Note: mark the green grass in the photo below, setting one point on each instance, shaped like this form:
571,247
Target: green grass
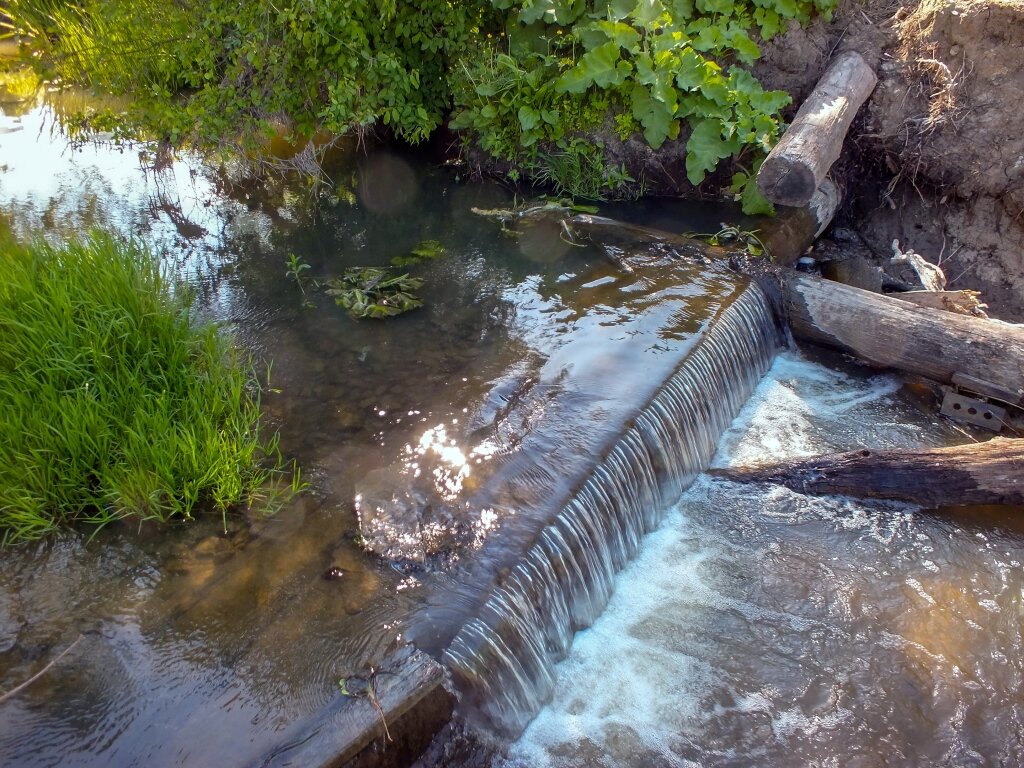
113,404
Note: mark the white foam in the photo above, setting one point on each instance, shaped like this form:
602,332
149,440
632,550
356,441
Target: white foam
746,630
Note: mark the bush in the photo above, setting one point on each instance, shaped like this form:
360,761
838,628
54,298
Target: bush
221,71
115,405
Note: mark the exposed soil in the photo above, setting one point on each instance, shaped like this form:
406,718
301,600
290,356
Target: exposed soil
943,126
935,160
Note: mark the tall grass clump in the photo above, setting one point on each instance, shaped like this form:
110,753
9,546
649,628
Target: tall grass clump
114,404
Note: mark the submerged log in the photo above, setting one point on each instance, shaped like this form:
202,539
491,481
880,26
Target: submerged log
797,165
966,475
786,237
942,346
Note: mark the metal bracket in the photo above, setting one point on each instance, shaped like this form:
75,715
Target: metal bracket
988,389
967,410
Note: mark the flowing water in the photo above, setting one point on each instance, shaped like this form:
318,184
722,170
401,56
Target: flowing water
507,447
200,646
762,627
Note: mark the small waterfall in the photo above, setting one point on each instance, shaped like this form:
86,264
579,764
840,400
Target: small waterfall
502,660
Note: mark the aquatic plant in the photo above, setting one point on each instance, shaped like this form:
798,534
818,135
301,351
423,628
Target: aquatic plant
296,266
426,250
730,235
115,404
375,292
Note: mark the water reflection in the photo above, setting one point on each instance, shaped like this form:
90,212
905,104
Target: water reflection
203,644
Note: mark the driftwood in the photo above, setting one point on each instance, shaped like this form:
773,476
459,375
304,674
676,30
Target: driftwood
786,237
961,302
984,356
966,475
797,165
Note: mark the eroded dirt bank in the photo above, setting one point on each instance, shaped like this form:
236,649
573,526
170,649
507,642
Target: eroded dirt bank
935,160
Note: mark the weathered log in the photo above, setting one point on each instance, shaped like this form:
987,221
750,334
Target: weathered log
961,302
930,343
786,237
966,475
797,165
793,230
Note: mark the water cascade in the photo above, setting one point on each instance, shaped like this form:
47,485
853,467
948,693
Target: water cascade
502,659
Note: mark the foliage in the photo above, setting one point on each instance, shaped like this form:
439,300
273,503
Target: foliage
427,250
115,405
18,84
533,82
665,64
729,235
375,292
296,266
217,70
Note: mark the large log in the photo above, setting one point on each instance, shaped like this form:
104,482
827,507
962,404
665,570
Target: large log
797,165
966,475
786,237
981,355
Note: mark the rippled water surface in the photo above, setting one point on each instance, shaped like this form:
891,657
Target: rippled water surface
201,647
762,627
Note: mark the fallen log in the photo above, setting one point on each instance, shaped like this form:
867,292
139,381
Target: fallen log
797,165
966,475
942,346
963,302
786,237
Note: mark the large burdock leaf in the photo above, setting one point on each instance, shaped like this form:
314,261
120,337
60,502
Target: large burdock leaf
603,67
705,148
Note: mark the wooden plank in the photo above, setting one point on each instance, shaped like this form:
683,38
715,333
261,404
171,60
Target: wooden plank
895,334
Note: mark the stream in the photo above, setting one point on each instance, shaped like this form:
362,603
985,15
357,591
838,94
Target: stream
753,627
763,627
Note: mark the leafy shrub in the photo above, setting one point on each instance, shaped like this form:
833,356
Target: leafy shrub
664,63
219,70
528,79
115,405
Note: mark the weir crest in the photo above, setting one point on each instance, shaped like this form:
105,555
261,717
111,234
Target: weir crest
502,659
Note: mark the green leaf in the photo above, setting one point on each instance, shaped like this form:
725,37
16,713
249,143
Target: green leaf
753,202
716,88
692,70
710,38
550,116
655,116
715,6
746,49
620,9
786,8
682,10
621,34
529,118
602,67
769,22
705,148
647,12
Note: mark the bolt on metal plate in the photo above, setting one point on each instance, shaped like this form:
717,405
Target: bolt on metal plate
967,410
